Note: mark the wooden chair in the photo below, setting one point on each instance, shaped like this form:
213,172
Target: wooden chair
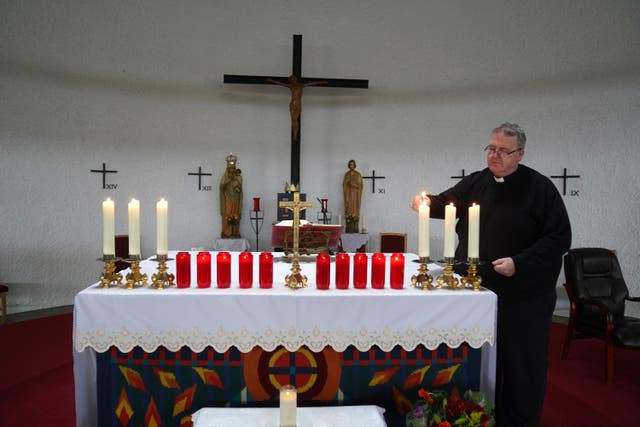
597,293
393,242
4,290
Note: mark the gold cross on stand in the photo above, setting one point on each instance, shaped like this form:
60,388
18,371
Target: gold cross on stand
295,280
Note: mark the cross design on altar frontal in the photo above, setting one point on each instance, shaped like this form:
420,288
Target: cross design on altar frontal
296,206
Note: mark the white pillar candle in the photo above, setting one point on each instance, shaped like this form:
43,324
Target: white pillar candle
162,227
474,231
363,227
449,230
339,219
423,229
108,228
134,227
288,398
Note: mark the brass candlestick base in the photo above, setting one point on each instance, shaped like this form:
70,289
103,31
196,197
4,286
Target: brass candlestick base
109,275
472,279
134,278
422,280
162,278
295,280
447,278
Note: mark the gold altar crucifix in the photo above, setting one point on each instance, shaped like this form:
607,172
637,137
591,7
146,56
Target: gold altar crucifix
295,280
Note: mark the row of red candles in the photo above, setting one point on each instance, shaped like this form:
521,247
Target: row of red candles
265,276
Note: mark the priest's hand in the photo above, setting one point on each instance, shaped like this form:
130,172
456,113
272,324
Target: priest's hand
504,266
415,203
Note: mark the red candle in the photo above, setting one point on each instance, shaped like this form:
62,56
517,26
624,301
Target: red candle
396,278
266,270
256,204
223,267
360,270
203,261
183,269
378,261
323,266
342,270
245,269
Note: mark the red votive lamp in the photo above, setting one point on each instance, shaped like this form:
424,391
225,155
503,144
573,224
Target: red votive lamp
378,261
396,278
203,263
360,270
223,269
323,267
256,204
245,269
342,270
266,270
183,269
323,203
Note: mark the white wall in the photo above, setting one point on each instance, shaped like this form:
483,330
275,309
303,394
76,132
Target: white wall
138,85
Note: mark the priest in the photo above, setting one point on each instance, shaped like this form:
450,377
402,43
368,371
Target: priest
524,232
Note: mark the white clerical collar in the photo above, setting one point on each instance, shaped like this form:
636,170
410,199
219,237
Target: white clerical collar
501,179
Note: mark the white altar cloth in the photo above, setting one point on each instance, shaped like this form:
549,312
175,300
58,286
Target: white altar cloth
244,318
321,416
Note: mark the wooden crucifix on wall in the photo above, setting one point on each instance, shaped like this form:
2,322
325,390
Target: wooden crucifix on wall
296,83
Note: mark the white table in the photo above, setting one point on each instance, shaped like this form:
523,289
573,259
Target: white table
269,318
322,416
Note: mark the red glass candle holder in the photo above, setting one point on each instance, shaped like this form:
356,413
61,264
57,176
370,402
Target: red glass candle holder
396,277
378,261
323,267
223,269
266,270
342,270
360,270
245,269
323,205
256,204
183,269
203,262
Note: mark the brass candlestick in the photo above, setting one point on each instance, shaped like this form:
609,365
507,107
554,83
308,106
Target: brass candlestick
472,279
447,277
134,278
109,274
422,280
295,280
162,278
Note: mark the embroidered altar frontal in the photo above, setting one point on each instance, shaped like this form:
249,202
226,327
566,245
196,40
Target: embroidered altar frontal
164,387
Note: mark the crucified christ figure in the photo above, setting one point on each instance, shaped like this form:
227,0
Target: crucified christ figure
295,106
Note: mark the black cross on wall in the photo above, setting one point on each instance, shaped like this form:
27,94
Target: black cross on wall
564,178
200,174
296,83
459,177
104,173
373,178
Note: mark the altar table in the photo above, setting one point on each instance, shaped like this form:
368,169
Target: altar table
211,328
323,416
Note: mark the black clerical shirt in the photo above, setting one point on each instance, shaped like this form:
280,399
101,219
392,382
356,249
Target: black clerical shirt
522,217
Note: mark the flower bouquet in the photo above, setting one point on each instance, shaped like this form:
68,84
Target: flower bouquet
436,409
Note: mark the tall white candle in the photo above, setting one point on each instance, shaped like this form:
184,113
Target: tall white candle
162,227
474,231
449,230
134,227
288,398
108,228
363,227
423,229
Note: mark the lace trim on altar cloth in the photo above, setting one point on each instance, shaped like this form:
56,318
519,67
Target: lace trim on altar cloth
292,339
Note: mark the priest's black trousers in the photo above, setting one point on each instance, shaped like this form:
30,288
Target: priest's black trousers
523,343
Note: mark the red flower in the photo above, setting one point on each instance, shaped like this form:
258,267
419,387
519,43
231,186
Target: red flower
426,396
444,424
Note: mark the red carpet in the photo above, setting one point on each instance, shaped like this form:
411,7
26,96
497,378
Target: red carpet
36,379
